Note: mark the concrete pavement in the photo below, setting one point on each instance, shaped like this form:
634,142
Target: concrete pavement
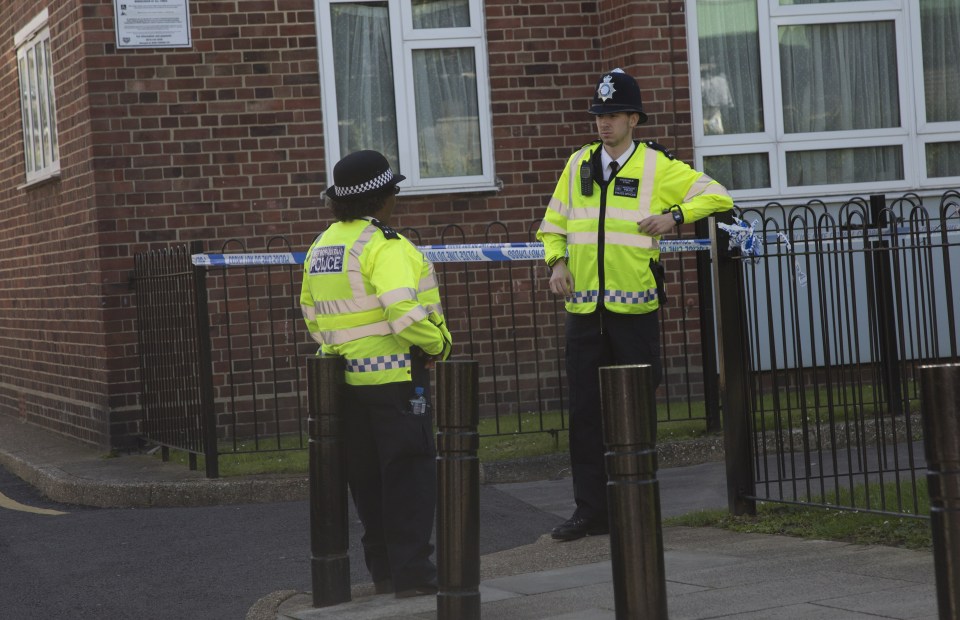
710,573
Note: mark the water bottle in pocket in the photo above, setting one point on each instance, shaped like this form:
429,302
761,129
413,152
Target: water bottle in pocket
418,404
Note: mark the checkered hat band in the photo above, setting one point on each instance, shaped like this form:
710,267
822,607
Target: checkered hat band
367,186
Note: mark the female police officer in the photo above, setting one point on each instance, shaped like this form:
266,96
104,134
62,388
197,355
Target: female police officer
370,296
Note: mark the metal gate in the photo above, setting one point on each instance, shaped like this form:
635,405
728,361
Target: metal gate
176,395
824,333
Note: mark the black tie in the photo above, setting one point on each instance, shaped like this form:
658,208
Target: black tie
613,168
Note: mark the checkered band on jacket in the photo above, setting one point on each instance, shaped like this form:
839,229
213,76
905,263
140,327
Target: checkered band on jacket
630,297
622,297
381,362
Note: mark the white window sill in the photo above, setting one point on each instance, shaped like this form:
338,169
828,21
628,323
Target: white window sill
43,179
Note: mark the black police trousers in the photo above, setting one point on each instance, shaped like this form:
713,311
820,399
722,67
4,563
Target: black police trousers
391,471
602,338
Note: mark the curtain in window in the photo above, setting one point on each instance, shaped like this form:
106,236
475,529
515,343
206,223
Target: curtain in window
445,89
840,77
730,86
441,13
448,122
363,68
791,2
940,41
730,66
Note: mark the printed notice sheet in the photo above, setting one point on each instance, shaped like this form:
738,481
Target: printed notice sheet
152,23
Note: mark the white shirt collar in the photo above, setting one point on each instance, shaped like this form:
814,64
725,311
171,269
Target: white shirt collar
605,158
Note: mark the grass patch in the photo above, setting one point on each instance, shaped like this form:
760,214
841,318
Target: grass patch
515,437
520,436
852,526
287,457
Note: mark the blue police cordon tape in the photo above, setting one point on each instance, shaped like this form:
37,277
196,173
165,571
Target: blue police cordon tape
462,253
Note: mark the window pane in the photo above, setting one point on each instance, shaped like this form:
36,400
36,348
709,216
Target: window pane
943,159
791,2
940,40
51,102
854,165
448,121
747,171
363,68
25,112
441,13
43,126
838,77
729,66
36,151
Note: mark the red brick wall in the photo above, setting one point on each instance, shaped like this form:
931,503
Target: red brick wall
225,141
52,338
217,142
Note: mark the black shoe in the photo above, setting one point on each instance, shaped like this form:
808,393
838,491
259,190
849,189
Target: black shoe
425,589
577,527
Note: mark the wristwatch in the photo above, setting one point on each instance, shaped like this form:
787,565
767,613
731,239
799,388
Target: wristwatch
677,214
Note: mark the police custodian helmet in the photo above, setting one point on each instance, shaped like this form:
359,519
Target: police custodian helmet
617,92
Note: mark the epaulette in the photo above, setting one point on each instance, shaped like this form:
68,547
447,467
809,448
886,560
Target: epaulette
388,232
659,147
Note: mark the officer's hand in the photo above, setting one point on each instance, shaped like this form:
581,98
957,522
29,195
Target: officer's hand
657,225
430,361
561,280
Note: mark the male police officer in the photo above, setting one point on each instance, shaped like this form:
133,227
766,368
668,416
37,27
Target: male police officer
614,199
370,296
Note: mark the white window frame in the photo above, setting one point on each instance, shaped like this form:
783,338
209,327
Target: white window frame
404,40
928,132
34,37
912,135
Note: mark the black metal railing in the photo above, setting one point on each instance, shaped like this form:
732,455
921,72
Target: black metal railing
176,396
840,311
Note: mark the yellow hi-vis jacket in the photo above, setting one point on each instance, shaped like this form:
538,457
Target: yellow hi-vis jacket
606,251
369,295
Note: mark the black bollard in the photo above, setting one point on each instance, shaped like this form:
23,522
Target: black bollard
633,493
458,491
940,405
329,533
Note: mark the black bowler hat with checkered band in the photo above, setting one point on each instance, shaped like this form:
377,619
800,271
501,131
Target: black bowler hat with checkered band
616,91
361,174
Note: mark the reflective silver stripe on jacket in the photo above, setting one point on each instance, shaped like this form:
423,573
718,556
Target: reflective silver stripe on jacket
428,281
397,295
702,187
346,306
416,314
626,239
645,193
341,336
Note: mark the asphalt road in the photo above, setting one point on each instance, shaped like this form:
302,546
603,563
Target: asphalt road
211,562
